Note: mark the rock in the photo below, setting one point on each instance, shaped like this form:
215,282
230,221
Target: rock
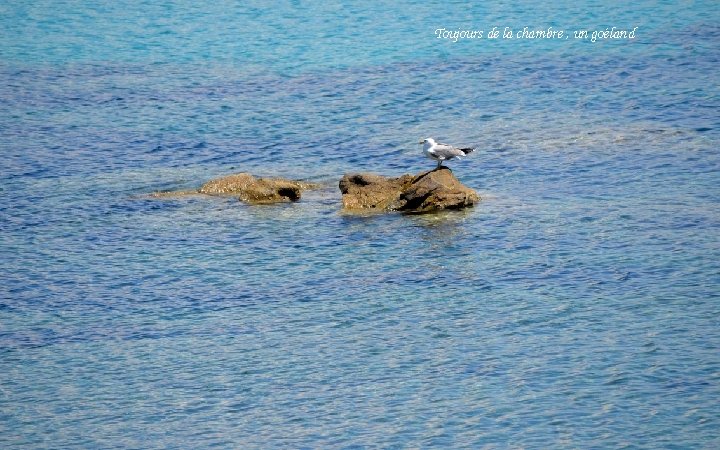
368,191
434,190
256,190
170,194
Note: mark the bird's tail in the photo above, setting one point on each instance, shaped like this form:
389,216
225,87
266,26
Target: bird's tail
467,150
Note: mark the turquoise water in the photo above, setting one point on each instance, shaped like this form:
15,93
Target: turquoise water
577,306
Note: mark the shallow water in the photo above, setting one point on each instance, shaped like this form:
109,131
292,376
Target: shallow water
576,306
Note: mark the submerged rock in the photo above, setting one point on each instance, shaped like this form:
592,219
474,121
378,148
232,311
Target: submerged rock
171,194
434,190
255,190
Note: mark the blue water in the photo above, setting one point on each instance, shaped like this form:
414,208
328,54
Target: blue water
577,306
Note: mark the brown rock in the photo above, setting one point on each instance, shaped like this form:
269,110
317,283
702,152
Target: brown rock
375,192
434,190
256,190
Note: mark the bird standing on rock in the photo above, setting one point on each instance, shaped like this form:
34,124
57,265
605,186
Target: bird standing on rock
442,152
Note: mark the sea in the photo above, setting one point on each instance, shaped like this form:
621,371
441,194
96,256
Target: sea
577,305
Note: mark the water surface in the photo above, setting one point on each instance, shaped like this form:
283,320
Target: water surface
575,307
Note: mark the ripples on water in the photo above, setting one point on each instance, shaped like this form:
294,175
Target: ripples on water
576,306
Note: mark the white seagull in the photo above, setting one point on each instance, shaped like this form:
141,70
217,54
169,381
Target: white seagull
442,152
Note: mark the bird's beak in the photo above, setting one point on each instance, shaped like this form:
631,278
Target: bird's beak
420,141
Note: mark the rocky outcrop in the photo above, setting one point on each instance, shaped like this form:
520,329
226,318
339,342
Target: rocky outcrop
434,190
251,189
373,192
247,188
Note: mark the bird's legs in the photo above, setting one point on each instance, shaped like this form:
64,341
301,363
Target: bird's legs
439,164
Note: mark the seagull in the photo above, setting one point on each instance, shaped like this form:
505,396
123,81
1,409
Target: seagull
442,152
